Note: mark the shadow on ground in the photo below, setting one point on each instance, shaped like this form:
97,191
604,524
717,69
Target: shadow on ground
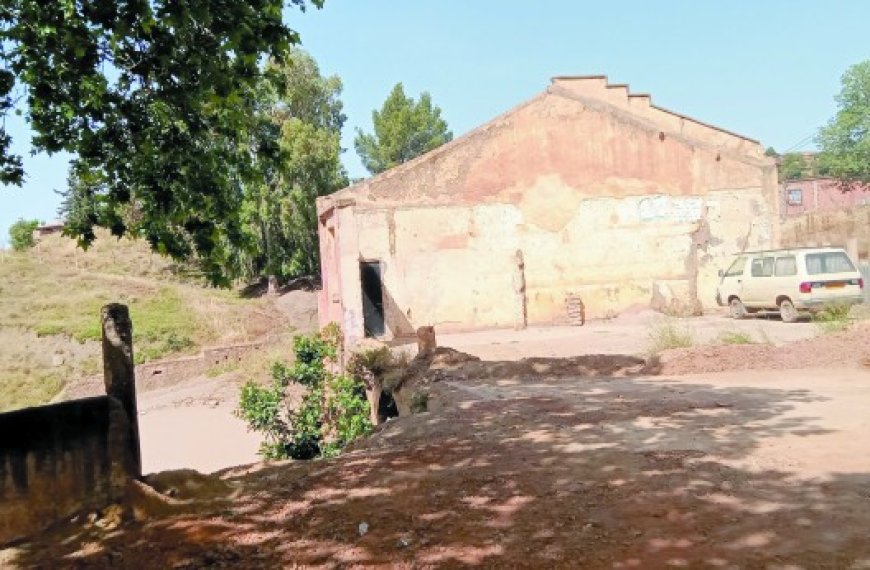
524,470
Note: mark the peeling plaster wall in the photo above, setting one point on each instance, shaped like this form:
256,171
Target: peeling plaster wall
617,205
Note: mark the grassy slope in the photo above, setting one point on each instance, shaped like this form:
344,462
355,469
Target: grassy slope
50,299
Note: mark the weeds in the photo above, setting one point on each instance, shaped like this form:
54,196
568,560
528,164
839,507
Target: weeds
666,335
419,402
736,337
833,318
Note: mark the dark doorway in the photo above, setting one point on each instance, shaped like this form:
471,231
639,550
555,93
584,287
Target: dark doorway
373,298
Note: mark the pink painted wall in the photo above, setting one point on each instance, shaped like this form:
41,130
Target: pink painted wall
820,195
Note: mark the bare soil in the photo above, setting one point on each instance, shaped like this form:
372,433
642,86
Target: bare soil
845,349
539,463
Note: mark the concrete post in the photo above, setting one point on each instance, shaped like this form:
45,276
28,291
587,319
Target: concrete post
519,283
119,371
852,248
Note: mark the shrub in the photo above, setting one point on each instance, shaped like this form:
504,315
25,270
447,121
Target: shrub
21,234
333,412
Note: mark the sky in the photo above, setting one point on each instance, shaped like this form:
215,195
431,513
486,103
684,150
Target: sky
767,70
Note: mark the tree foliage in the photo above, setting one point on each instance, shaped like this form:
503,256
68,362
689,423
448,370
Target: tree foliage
845,140
403,129
21,234
155,99
792,166
298,159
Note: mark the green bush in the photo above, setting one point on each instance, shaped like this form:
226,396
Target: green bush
21,234
333,412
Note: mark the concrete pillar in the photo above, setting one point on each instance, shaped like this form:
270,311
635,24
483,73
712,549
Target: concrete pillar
119,371
852,248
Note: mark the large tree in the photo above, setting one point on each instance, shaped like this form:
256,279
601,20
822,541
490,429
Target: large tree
845,140
299,159
156,101
403,129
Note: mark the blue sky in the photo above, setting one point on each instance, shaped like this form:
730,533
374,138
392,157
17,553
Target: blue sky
768,70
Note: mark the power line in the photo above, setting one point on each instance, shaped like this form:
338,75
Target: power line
801,142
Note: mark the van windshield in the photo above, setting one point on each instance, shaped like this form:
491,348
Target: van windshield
828,262
736,267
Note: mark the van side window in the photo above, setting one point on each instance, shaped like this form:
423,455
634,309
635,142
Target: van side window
829,262
736,267
786,266
762,267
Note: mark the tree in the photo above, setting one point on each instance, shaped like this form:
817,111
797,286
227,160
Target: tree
792,166
155,99
21,234
299,159
845,140
403,129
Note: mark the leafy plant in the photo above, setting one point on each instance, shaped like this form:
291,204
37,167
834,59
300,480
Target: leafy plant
21,234
333,412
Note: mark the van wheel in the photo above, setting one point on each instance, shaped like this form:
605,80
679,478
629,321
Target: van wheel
787,311
736,309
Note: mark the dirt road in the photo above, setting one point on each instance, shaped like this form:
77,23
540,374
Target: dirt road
733,470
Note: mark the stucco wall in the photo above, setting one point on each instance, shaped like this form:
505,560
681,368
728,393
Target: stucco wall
605,195
830,228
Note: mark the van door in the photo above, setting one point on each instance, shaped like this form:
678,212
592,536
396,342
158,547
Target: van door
732,280
758,287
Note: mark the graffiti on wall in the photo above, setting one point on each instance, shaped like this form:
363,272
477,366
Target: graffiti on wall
669,209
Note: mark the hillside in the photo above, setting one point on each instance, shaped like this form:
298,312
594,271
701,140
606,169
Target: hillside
50,299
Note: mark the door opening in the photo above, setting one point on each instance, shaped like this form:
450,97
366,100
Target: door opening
373,298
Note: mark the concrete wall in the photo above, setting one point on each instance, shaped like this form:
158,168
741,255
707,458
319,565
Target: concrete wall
821,195
61,459
606,195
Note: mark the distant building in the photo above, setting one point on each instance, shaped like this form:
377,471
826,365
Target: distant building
54,227
819,195
586,190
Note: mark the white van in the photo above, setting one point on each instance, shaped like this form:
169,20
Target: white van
790,281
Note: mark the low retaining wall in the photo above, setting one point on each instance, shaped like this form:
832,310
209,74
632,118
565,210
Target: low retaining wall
161,373
60,459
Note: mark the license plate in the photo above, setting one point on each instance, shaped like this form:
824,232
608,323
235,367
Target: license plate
839,285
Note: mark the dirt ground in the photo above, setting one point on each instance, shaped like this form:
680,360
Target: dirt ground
533,464
626,334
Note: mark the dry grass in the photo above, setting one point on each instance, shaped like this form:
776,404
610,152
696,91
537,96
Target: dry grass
668,334
736,337
56,291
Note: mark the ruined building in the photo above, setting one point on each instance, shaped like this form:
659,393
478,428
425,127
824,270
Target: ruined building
584,192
